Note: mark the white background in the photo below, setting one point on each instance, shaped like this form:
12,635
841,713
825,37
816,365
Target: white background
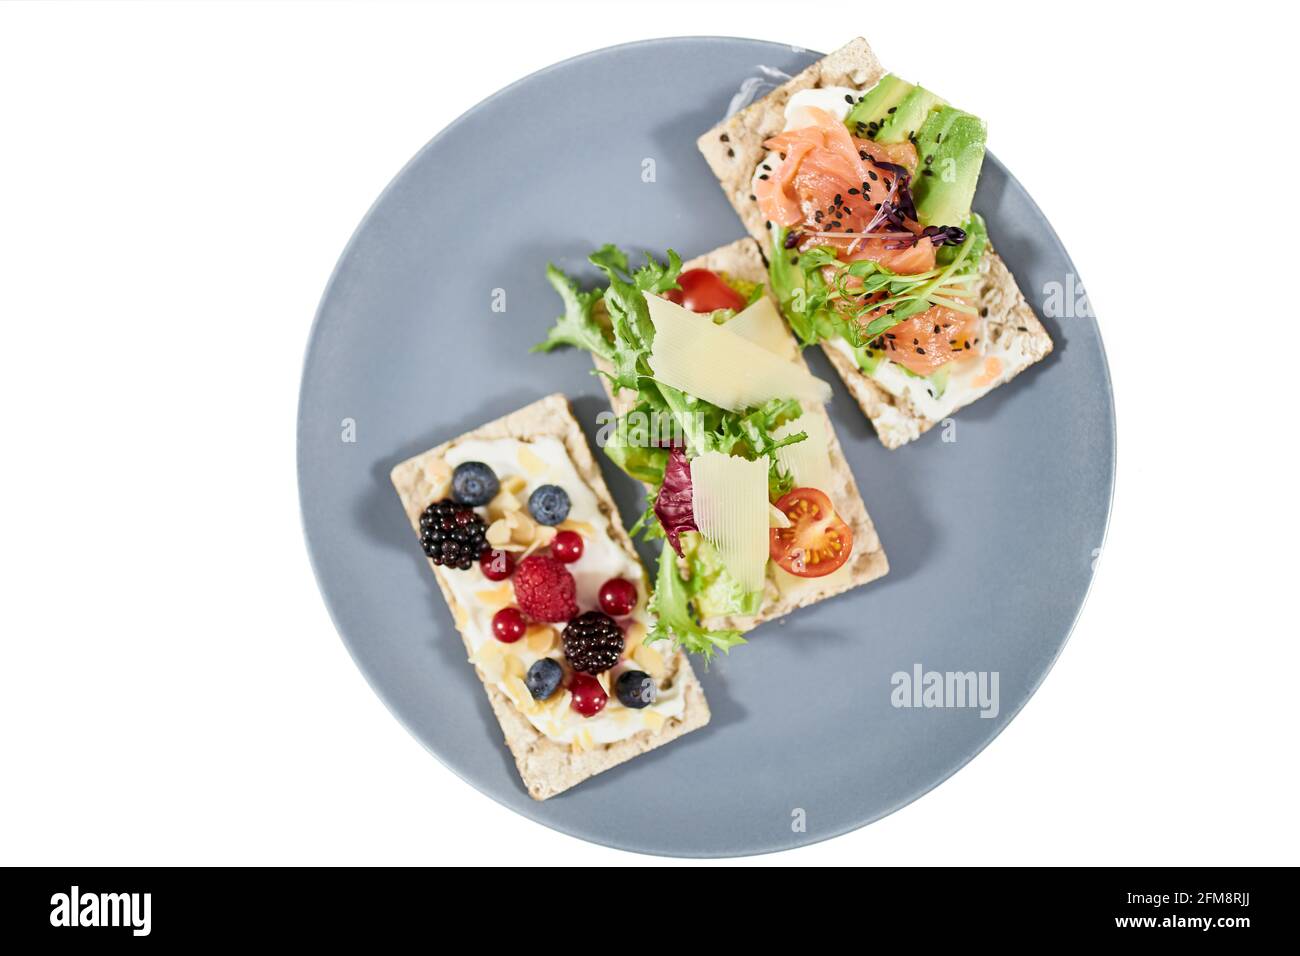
175,185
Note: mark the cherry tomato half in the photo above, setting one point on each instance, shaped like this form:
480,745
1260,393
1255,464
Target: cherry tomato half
817,541
703,291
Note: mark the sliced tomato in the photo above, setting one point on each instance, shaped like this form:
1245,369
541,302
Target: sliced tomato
703,290
817,541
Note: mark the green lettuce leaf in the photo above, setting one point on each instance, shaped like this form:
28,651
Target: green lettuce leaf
674,620
712,587
578,326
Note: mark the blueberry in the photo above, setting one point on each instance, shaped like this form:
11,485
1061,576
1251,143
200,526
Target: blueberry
549,504
636,689
474,483
543,677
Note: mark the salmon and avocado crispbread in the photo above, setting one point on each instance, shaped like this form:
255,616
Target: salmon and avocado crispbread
857,185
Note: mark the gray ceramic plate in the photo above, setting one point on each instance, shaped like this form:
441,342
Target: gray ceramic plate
991,538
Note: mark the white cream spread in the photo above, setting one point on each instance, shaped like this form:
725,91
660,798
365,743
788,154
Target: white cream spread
968,378
538,462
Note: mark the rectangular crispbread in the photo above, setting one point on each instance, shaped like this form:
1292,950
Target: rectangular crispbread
546,766
741,260
733,150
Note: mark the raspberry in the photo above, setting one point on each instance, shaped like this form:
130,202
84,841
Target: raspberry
544,589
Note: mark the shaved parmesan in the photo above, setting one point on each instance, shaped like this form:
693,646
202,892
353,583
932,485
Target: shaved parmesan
763,325
729,497
703,359
808,462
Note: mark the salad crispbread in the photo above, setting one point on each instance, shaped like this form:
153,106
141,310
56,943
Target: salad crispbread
742,260
734,149
549,767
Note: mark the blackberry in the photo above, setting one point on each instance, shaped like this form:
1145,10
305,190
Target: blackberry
593,642
452,535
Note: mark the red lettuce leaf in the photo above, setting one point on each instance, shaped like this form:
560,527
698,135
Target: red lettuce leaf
673,506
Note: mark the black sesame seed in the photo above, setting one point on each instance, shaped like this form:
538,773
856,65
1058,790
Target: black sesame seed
847,98
731,152
725,138
763,176
891,109
920,351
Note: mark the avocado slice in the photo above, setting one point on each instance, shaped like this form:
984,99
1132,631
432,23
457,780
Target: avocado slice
868,359
911,114
876,105
950,144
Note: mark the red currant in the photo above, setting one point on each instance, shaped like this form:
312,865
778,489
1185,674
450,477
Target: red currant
496,565
567,546
508,625
588,696
618,597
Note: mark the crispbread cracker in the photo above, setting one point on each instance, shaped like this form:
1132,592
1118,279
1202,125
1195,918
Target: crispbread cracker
741,260
733,150
548,767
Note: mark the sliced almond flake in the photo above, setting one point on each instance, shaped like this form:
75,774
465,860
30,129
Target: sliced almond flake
514,665
584,528
654,721
435,479
603,680
635,634
540,638
498,533
542,537
529,461
459,615
503,504
513,484
524,528
651,661
490,659
498,597
518,693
